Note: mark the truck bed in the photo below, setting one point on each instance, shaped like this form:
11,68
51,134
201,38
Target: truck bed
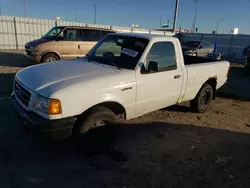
189,60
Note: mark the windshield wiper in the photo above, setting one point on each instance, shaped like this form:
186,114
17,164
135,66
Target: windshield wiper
112,62
103,61
88,58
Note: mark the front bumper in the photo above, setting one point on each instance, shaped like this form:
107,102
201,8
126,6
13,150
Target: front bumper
33,57
52,130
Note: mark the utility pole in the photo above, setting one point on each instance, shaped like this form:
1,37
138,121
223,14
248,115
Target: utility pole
66,17
25,8
196,6
175,14
95,14
75,16
161,22
219,21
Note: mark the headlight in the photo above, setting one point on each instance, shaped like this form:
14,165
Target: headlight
33,49
46,105
189,52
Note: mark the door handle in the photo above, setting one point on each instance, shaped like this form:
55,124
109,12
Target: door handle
79,46
177,76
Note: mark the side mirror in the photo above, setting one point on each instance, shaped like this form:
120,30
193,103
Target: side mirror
153,66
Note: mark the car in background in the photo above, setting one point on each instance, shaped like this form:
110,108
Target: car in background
246,52
246,55
64,42
197,48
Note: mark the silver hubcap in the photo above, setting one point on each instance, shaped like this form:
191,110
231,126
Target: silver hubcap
50,59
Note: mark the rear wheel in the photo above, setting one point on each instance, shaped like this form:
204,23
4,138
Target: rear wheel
50,57
203,99
95,132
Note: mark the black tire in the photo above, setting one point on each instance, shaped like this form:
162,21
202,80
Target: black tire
203,99
91,138
50,57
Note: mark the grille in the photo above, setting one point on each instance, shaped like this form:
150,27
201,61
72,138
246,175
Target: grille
28,50
22,93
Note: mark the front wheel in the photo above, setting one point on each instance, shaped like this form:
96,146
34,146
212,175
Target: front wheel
50,57
95,132
203,99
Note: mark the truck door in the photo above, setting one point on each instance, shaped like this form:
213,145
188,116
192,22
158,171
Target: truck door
157,90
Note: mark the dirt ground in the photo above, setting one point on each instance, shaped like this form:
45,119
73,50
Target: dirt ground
172,147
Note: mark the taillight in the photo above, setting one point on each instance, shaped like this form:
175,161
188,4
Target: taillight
228,71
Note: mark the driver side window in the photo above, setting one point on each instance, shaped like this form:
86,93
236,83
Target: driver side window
71,35
162,53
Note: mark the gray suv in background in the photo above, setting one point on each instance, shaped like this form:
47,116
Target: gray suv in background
197,48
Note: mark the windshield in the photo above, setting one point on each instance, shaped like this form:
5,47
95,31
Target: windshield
52,34
119,51
194,44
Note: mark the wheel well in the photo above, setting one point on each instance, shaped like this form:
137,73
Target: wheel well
115,107
46,53
212,82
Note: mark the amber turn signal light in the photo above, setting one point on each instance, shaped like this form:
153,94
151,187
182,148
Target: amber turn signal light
54,107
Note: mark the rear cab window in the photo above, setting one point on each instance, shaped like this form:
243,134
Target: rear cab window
206,44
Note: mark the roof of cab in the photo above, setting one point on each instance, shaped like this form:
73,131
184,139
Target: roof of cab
140,35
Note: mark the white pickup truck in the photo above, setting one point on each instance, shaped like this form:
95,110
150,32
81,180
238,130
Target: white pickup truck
123,76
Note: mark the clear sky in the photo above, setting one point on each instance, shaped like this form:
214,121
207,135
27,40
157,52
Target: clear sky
145,13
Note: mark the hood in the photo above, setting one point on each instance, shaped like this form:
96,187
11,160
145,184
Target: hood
47,78
36,42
